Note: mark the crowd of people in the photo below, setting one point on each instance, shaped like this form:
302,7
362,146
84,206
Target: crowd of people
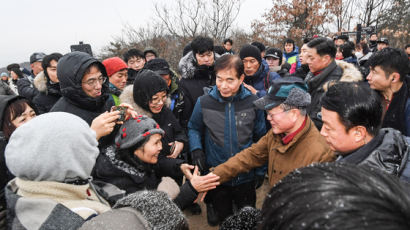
129,143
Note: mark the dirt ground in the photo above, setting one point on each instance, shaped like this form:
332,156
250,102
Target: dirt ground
198,222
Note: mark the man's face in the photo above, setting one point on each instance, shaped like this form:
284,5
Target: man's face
340,42
373,37
378,80
4,78
136,63
288,47
92,82
335,133
228,46
280,120
205,58
272,62
52,71
315,61
36,67
303,54
251,65
149,56
381,46
228,82
167,78
119,79
408,51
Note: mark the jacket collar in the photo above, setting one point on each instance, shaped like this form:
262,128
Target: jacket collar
240,95
283,149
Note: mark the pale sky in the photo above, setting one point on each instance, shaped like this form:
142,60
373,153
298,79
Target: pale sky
53,25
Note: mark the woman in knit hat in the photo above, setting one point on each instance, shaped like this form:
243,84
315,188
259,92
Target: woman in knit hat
132,164
148,96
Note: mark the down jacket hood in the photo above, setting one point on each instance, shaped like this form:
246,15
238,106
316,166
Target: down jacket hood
70,70
350,74
42,83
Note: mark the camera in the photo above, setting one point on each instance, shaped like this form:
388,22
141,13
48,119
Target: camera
122,110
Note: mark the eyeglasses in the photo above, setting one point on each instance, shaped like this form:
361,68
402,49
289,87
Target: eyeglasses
273,114
93,82
158,100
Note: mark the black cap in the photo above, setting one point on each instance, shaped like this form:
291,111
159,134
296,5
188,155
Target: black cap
383,40
273,52
158,65
37,57
250,51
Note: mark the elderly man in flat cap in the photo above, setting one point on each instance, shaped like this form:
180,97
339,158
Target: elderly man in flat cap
293,141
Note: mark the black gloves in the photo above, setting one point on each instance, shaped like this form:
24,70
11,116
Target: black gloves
198,158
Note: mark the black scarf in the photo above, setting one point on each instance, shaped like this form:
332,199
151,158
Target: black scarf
395,117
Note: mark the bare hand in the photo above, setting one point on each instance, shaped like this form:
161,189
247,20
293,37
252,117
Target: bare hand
177,150
204,183
104,123
200,197
250,88
186,170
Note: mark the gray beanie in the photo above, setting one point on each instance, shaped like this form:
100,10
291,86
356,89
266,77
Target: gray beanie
136,130
55,146
158,210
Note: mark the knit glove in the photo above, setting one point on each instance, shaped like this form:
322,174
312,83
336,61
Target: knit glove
198,158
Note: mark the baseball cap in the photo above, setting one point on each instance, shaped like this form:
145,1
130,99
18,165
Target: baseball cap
383,40
38,56
273,52
290,90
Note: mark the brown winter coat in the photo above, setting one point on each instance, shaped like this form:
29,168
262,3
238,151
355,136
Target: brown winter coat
307,147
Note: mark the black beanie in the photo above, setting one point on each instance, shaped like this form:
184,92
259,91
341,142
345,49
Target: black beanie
250,51
147,84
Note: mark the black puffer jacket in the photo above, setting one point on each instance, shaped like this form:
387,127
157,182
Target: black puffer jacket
74,100
388,151
48,95
131,174
191,86
317,85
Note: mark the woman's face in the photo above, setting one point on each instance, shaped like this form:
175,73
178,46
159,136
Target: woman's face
26,116
150,151
157,102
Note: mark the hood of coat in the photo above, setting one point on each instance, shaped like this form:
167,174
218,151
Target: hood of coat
43,84
4,102
350,74
187,65
70,70
127,96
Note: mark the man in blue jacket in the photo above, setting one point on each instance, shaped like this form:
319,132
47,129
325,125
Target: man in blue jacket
223,123
257,74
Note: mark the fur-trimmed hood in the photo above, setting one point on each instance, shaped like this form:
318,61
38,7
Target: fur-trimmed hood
187,65
40,82
127,97
43,85
350,74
